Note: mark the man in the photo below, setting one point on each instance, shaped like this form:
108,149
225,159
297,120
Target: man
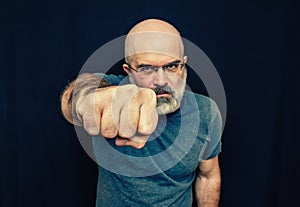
171,136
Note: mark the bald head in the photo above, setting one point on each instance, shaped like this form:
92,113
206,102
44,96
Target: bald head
154,25
154,36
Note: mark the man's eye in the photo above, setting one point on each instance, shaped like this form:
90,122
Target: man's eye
171,66
147,69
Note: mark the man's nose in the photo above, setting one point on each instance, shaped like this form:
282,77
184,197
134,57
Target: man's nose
160,78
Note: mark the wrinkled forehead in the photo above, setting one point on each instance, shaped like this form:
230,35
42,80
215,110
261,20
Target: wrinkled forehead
154,42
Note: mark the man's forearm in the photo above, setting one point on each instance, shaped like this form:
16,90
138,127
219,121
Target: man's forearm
82,86
208,190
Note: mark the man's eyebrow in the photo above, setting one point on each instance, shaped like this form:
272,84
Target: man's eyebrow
175,61
145,65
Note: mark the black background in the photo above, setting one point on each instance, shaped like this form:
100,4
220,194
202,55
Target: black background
253,45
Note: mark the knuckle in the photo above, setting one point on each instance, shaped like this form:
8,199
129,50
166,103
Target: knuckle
149,92
146,130
109,133
126,133
90,127
102,95
129,89
93,131
149,97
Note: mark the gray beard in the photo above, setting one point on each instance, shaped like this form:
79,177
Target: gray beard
168,105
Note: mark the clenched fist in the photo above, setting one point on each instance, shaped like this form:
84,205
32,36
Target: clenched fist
126,112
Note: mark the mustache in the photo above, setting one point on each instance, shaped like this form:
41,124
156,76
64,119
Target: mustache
162,90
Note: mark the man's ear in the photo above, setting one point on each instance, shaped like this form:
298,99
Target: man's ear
126,68
185,59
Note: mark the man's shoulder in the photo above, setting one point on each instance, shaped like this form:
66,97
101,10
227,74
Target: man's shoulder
198,96
113,79
205,105
203,102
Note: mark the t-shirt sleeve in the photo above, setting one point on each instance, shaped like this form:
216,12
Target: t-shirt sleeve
213,147
113,79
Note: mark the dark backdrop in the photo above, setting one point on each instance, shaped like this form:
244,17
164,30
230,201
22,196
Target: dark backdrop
251,43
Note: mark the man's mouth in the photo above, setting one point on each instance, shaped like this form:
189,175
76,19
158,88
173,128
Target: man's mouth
161,92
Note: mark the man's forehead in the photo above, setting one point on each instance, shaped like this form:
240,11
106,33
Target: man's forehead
154,42
153,58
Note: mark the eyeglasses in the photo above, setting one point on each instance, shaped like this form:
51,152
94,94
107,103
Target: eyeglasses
150,69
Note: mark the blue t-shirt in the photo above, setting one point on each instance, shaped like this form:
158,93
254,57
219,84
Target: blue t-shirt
162,172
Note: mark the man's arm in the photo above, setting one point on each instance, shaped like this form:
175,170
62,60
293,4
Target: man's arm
208,183
126,112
